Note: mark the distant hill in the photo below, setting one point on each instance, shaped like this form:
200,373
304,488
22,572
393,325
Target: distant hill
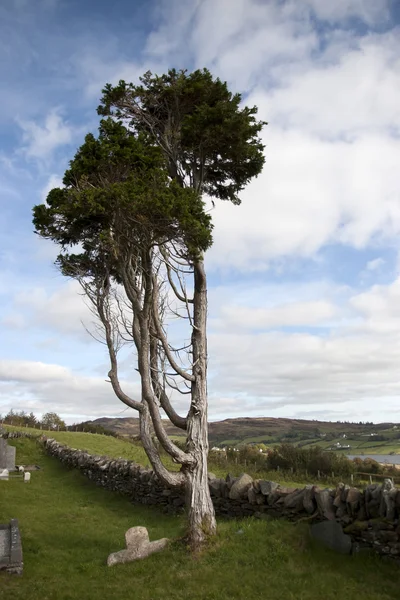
270,430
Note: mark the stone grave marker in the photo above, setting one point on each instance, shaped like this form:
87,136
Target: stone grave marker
11,548
7,455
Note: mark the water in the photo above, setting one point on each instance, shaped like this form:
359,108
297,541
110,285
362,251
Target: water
381,458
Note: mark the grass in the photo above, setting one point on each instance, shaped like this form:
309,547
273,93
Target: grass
123,448
69,526
367,446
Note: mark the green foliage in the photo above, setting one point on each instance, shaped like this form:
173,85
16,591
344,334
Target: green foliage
207,139
52,420
368,465
117,201
19,418
312,460
87,426
69,526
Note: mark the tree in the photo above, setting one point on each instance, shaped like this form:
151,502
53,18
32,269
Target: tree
133,201
51,421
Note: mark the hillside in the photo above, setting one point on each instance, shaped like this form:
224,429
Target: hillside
373,438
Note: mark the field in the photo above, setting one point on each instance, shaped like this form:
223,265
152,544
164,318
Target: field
122,448
273,431
69,526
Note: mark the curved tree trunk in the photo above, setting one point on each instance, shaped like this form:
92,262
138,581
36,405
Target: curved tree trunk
200,508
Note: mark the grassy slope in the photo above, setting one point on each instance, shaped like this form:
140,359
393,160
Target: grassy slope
121,448
69,526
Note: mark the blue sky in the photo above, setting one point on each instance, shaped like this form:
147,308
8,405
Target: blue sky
304,277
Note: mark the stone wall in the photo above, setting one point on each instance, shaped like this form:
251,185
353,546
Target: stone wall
9,435
370,516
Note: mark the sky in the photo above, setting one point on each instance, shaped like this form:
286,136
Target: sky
304,275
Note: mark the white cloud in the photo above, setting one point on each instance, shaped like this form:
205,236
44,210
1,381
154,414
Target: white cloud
375,264
311,192
36,386
13,321
40,141
61,310
300,313
368,11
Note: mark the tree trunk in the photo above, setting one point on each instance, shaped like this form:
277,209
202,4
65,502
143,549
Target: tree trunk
201,514
200,508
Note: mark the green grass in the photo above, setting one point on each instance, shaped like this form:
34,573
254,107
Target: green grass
69,526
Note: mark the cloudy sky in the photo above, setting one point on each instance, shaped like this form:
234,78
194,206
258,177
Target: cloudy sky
304,276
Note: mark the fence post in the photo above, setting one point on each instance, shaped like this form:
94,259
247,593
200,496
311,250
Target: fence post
277,468
370,478
352,478
318,475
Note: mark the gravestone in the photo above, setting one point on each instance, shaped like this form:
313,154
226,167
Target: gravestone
7,455
138,546
11,548
330,533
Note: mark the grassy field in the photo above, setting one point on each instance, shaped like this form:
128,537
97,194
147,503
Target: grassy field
69,526
122,448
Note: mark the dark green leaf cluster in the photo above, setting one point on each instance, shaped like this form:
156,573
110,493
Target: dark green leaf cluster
118,198
198,124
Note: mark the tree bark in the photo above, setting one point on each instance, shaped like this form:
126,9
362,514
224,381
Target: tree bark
201,514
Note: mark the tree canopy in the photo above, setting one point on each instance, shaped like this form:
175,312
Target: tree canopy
209,141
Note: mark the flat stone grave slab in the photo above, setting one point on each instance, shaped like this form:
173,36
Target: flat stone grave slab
11,548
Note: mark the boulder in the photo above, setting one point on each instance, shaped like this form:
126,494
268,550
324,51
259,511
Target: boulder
325,504
252,495
294,500
230,480
240,487
267,487
388,499
330,533
216,486
308,499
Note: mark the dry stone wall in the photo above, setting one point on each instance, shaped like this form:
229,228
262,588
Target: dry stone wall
370,516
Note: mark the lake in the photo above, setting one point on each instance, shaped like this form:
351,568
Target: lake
382,458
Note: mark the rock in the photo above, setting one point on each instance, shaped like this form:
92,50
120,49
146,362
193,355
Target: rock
252,495
240,487
308,499
211,476
353,500
230,480
260,499
216,486
294,500
138,546
353,495
267,487
330,533
387,507
325,504
272,498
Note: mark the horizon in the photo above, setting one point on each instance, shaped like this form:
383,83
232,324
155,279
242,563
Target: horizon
303,276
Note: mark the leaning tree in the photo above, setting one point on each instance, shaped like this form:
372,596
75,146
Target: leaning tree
132,204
